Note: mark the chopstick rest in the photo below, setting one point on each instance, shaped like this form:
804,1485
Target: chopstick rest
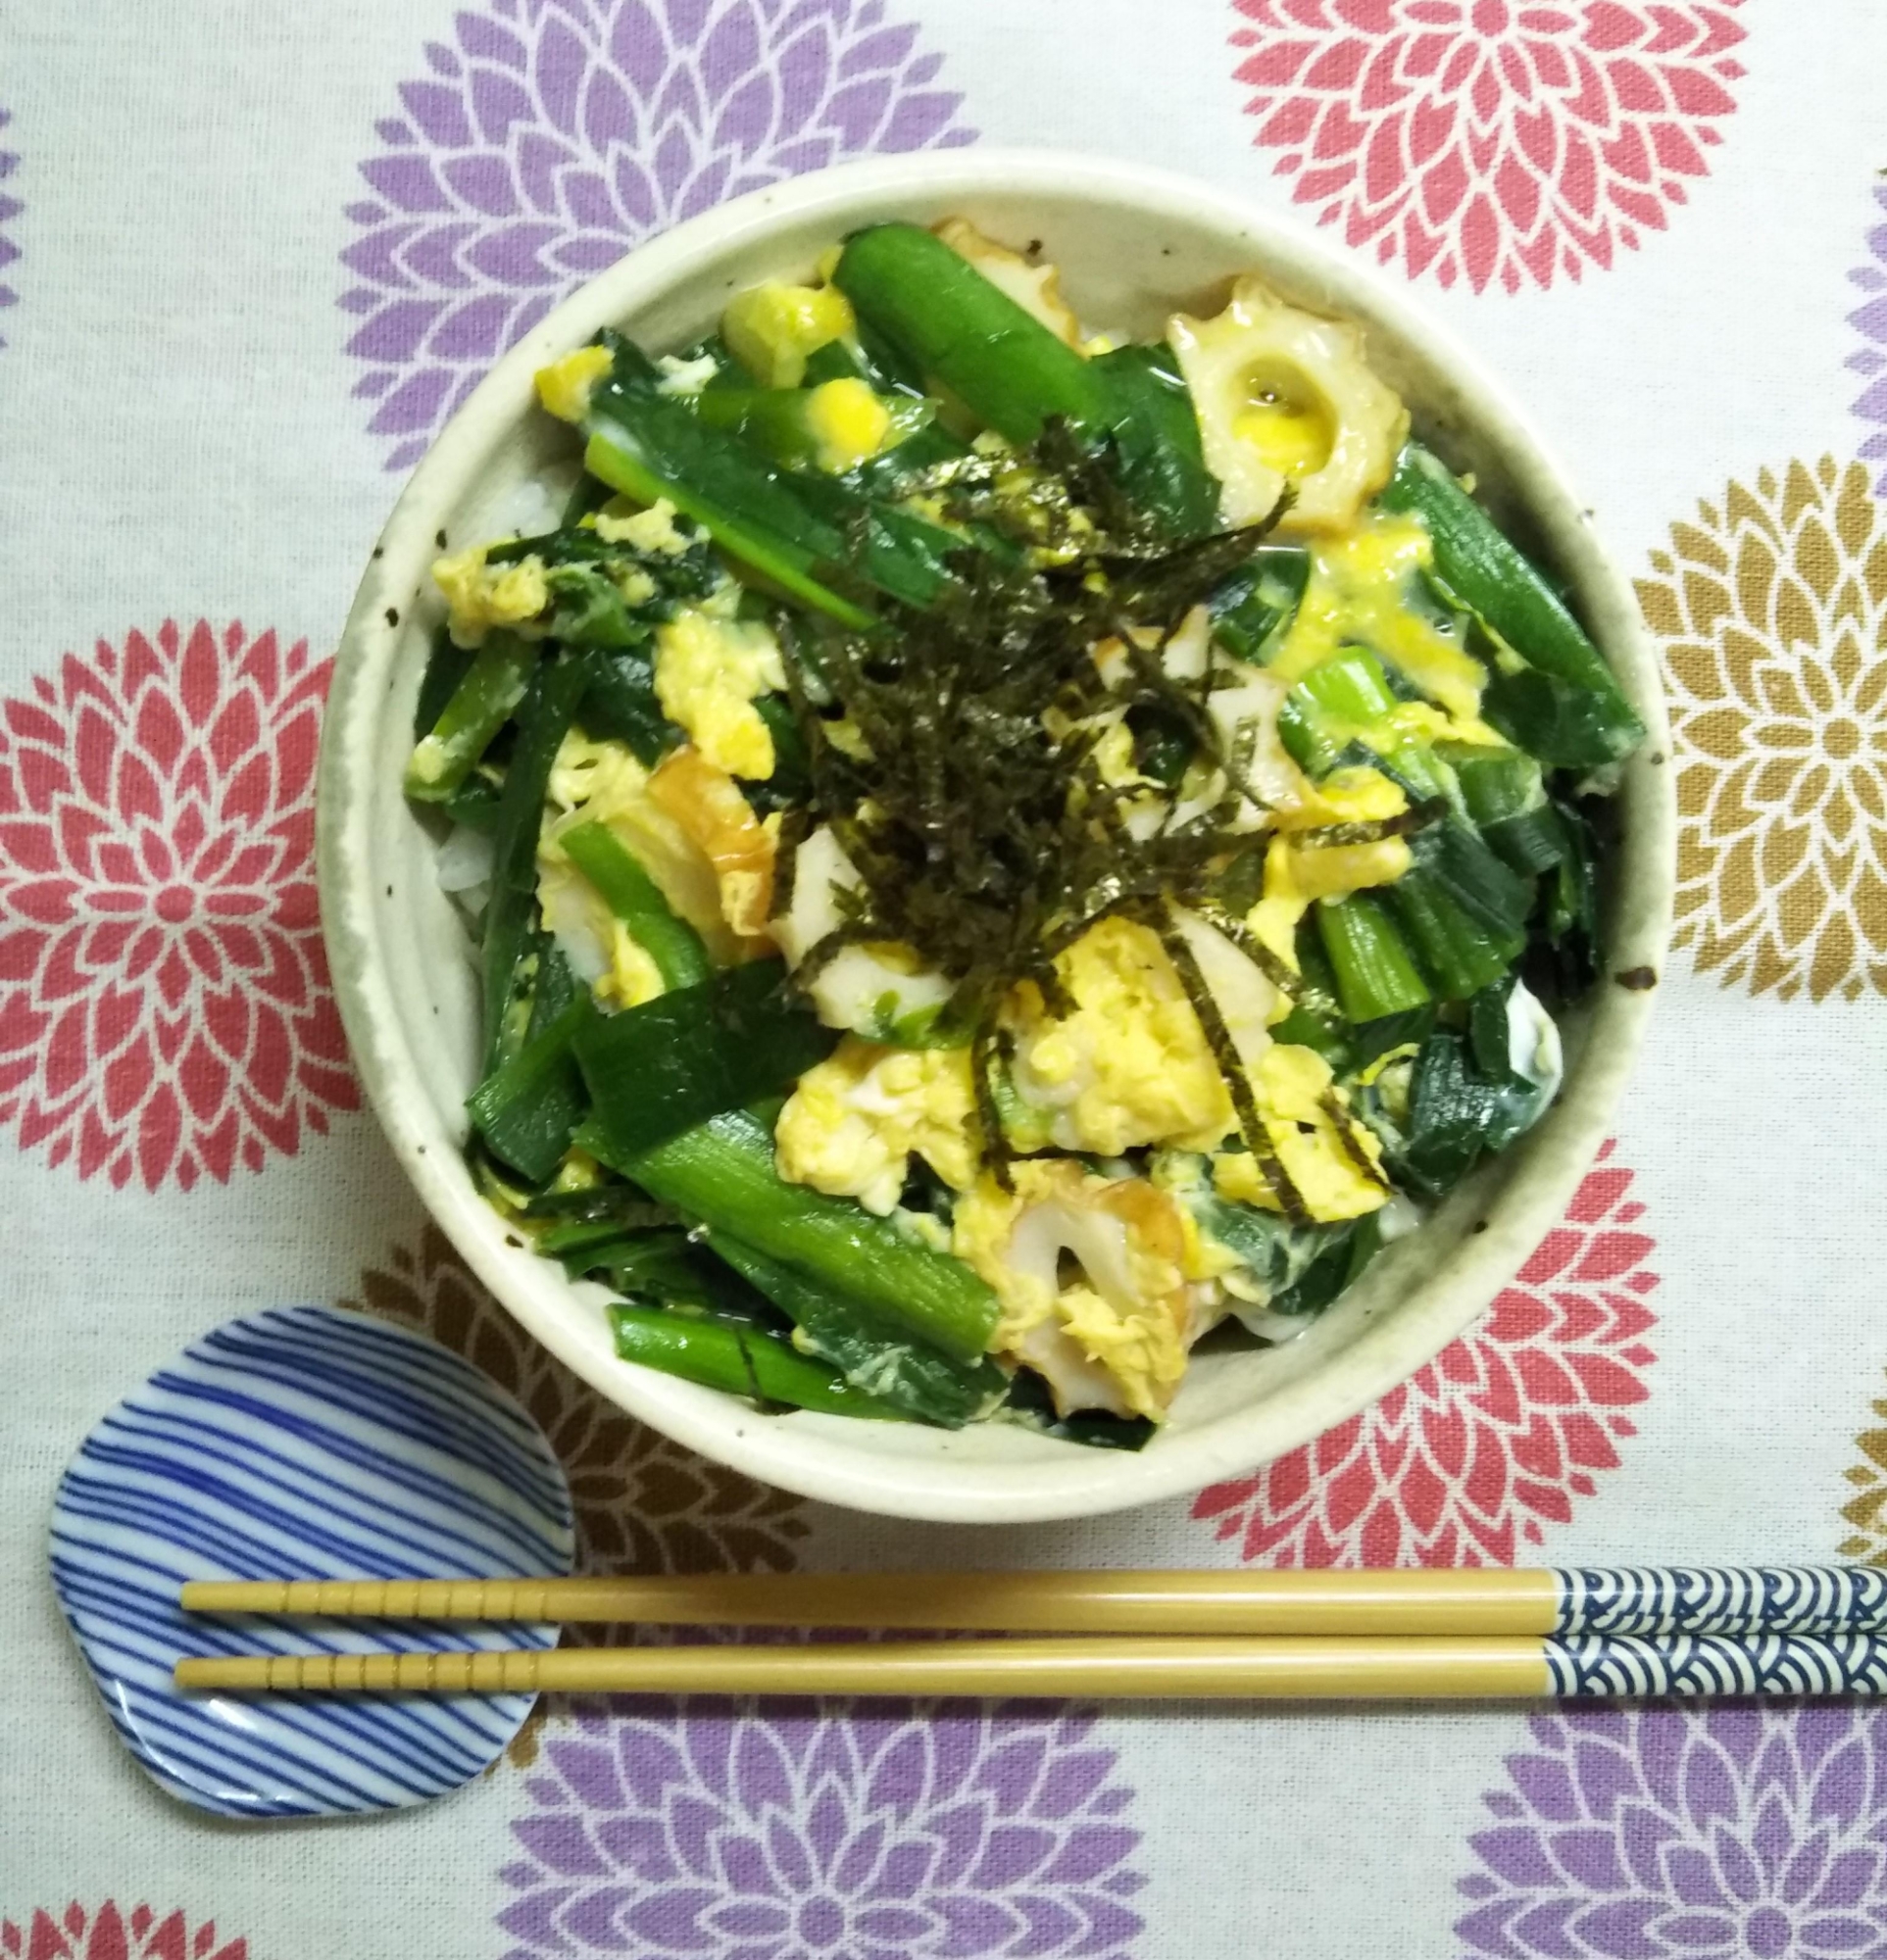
1630,1600
1569,1667
301,1440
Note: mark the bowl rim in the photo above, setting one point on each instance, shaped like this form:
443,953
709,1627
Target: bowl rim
808,1454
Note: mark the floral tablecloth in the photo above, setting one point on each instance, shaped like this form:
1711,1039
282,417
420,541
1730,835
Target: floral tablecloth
250,259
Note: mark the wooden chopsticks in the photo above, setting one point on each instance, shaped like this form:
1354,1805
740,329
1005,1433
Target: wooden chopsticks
994,1602
1675,1631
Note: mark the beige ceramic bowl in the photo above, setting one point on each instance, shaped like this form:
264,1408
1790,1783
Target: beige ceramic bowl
1134,246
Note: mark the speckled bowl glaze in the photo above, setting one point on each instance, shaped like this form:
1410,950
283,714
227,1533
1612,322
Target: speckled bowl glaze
1133,245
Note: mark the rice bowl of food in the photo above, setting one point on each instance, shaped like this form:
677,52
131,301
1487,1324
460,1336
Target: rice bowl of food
992,838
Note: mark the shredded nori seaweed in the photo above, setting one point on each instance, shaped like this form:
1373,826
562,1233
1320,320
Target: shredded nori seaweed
1342,1122
967,794
1219,1038
1419,817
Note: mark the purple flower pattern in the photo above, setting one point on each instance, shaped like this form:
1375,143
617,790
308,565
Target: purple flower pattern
784,1831
1871,359
554,133
1727,1832
9,209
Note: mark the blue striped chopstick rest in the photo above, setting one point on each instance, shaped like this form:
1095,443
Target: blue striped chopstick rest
301,1442
1704,1599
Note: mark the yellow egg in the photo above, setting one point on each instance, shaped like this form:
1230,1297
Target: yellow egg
1335,870
619,522
1113,757
1295,1091
852,1121
598,773
1128,1066
1359,793
481,596
1358,592
565,386
848,421
1186,1176
770,330
1093,1277
1296,874
708,673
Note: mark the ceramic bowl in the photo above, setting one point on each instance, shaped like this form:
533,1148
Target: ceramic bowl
1133,245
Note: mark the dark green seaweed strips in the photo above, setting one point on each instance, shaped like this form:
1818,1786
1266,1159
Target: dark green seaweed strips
972,806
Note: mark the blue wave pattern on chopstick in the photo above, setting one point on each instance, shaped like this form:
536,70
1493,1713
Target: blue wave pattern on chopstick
1723,1600
1589,1666
302,1444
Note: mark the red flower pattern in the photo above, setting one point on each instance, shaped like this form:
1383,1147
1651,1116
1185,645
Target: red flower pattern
1491,139
1495,1438
111,1934
164,999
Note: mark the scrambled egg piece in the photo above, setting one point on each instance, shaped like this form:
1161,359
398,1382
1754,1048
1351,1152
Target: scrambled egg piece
1130,1064
1114,1334
1294,1088
481,596
848,421
1286,399
1036,289
619,522
1296,874
770,330
1357,593
850,1125
708,673
565,386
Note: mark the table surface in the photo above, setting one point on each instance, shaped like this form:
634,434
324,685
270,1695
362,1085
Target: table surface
251,256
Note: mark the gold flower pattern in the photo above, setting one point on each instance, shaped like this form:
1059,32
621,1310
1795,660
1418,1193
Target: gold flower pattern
1867,1510
1773,611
